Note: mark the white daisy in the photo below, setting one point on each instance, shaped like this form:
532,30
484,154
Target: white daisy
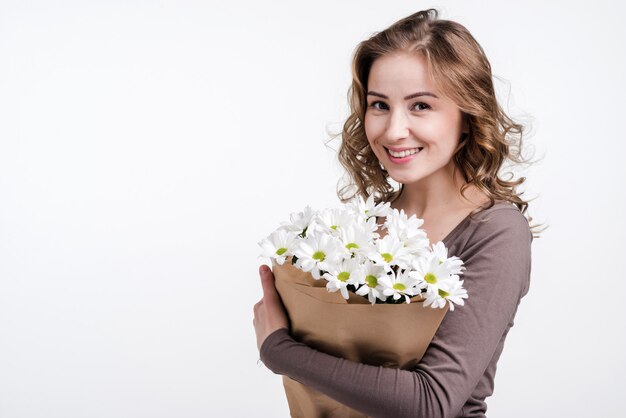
390,251
417,245
440,251
450,290
357,239
278,245
454,263
340,275
299,221
371,284
428,269
370,225
368,208
399,285
332,220
408,230
401,225
316,252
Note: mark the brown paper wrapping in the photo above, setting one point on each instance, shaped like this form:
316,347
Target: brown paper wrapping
388,335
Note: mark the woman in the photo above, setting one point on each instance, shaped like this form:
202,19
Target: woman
424,113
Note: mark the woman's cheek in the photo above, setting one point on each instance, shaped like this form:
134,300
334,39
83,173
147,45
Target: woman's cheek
374,145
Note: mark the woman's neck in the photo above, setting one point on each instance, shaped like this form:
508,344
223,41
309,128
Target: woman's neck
434,197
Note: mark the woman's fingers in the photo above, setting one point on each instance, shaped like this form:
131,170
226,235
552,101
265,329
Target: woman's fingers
257,306
267,282
269,313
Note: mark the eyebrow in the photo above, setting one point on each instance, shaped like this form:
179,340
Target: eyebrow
409,97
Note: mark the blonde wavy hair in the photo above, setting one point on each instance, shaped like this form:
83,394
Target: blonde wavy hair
461,71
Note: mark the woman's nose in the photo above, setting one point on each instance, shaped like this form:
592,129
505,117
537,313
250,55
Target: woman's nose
397,125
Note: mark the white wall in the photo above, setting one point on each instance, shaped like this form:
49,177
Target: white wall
145,148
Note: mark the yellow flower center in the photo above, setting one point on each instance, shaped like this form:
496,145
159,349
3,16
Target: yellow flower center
351,246
371,280
281,251
319,256
387,257
443,293
343,276
430,278
399,286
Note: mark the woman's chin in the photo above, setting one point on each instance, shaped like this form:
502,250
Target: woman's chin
404,179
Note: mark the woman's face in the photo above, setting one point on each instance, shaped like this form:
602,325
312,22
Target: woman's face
406,112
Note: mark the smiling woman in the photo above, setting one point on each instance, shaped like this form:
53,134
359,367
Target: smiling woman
424,113
425,84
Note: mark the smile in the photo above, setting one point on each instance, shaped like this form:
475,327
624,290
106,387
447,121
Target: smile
405,153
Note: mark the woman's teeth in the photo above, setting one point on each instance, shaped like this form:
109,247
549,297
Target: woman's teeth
403,154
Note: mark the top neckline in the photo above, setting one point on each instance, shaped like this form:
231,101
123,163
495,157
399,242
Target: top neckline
460,226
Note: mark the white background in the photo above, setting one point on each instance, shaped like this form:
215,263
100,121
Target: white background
146,147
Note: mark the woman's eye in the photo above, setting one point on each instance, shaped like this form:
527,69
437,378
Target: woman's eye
378,106
418,106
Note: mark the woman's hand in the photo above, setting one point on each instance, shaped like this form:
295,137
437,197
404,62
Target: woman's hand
269,313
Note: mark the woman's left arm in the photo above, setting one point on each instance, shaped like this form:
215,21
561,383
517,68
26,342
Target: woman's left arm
497,261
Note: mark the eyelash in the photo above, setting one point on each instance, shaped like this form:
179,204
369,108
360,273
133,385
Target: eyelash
373,105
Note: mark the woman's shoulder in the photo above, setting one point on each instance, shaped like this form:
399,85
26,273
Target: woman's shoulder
504,210
503,220
498,245
502,223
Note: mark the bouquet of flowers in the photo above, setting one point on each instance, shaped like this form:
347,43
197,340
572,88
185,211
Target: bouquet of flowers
335,273
343,247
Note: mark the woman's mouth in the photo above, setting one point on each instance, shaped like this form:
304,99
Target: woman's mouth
403,156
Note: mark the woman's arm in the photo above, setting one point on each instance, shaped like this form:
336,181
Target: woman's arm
497,261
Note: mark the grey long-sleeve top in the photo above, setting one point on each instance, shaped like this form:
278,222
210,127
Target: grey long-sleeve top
457,372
